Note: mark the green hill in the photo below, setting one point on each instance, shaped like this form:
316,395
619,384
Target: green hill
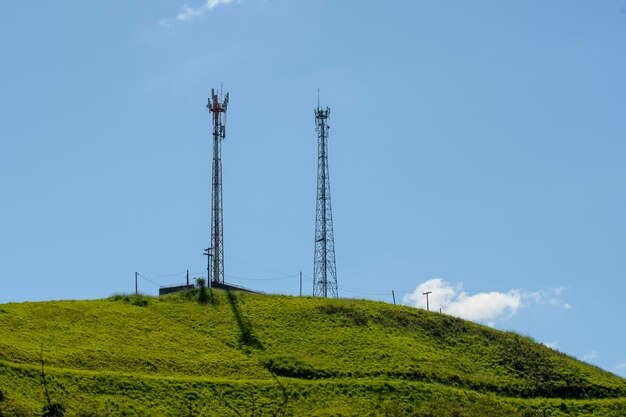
248,354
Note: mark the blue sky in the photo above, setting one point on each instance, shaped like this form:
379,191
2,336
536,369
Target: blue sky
476,150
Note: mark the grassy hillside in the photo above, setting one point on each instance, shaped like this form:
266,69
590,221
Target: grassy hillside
248,354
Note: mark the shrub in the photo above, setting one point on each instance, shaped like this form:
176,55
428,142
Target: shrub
294,367
134,299
203,297
53,410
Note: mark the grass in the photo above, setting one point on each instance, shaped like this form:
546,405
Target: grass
273,355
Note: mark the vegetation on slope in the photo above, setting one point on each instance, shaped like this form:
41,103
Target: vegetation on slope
241,353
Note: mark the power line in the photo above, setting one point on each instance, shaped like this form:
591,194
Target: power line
149,280
250,263
171,275
363,292
281,278
262,279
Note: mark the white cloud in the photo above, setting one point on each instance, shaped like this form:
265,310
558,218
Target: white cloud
552,345
451,299
549,296
485,307
188,13
621,366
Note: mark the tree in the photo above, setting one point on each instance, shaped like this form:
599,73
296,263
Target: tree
203,297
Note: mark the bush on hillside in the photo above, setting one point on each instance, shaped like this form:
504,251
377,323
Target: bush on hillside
203,297
134,299
53,410
293,367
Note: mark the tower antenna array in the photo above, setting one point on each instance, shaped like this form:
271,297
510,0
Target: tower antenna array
324,270
215,253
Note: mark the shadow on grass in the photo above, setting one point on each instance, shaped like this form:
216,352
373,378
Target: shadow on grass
246,335
206,296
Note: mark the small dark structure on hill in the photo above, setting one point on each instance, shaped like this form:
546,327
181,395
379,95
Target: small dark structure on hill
174,288
219,286
229,287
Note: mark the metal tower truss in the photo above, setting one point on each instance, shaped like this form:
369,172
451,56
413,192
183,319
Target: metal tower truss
215,252
324,270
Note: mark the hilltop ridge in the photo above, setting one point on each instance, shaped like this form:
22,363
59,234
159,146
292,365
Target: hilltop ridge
280,355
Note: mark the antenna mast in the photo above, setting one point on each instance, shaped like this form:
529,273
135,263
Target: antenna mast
215,252
324,270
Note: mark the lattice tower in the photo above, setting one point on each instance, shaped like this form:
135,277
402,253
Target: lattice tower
217,106
324,270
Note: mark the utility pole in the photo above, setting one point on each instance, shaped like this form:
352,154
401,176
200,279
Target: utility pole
426,294
187,277
324,269
208,252
393,294
217,106
300,283
136,289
